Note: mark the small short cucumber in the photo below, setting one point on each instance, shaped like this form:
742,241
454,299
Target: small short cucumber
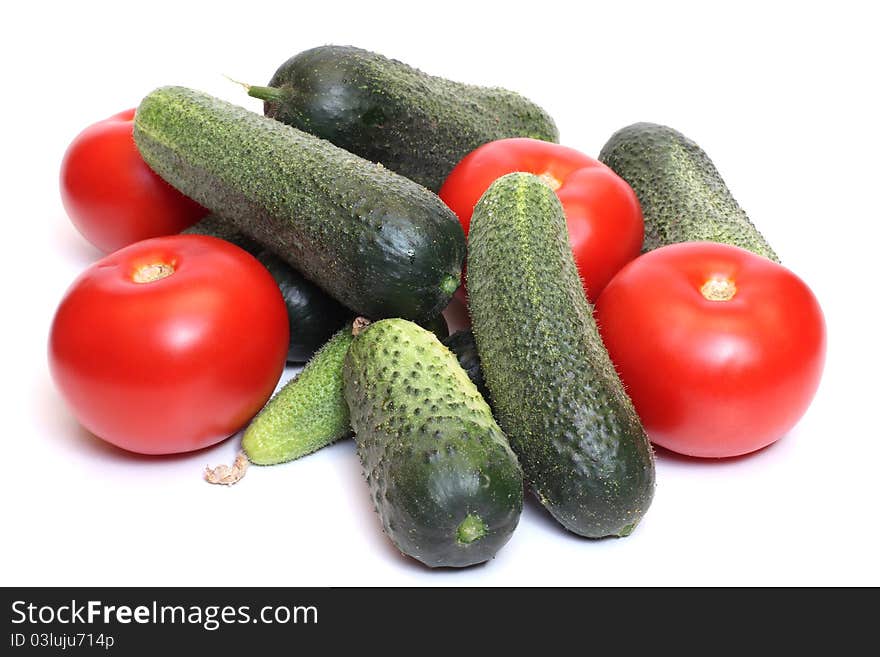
554,390
308,413
444,481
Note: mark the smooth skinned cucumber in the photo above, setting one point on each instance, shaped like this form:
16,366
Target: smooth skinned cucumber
314,316
416,124
217,227
554,389
377,242
682,195
462,344
444,481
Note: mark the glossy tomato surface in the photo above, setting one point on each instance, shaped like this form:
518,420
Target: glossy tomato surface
721,350
605,225
110,194
169,345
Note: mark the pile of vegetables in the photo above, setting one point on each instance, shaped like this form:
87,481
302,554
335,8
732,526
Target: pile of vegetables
614,302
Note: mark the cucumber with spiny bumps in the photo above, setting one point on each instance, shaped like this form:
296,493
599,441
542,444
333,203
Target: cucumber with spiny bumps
379,243
416,124
554,389
444,481
682,195
309,412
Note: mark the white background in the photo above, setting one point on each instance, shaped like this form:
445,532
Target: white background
781,96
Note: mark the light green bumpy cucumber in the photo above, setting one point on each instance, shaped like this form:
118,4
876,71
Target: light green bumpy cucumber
308,413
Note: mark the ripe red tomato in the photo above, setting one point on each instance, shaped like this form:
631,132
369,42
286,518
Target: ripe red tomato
604,218
169,345
720,349
113,198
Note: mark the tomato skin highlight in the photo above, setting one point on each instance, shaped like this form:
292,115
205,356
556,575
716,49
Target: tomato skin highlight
604,218
713,378
110,194
175,364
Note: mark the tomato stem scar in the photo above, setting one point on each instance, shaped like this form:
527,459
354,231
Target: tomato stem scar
718,289
152,272
550,180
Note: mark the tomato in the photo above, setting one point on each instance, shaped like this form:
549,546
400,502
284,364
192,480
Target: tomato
113,198
721,350
604,218
169,345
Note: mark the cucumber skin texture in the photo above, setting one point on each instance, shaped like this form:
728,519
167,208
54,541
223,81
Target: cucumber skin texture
216,227
431,451
554,389
438,326
418,125
464,347
682,195
308,413
377,242
314,316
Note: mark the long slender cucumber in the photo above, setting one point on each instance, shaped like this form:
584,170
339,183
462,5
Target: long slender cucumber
554,389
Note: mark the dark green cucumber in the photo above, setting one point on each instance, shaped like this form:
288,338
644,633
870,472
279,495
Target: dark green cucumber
438,326
416,124
682,195
554,389
443,479
217,227
313,315
377,242
464,347
308,413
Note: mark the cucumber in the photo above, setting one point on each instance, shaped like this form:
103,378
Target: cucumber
377,242
308,413
416,124
443,479
216,227
554,390
682,195
314,316
464,347
438,326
